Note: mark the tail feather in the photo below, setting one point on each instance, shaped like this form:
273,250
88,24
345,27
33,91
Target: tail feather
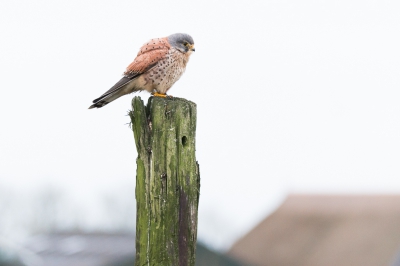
124,86
107,99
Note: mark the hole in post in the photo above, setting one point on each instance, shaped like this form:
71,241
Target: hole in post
184,141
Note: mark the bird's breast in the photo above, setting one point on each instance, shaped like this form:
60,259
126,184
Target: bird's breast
166,72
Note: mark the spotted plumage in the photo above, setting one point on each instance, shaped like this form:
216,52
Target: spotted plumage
157,66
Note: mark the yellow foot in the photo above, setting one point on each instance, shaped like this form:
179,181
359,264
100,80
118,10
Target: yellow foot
156,94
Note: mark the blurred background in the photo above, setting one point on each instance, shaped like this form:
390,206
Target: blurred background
297,136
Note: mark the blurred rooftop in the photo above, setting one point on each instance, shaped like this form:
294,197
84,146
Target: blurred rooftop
326,230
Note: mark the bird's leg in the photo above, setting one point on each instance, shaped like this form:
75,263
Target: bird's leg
156,94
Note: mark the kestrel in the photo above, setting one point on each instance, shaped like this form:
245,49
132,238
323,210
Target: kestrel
158,65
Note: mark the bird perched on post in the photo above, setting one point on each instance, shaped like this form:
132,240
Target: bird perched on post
158,65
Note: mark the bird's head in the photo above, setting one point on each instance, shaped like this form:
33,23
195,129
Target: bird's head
182,42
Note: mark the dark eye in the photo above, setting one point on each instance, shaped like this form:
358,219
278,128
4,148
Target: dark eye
186,43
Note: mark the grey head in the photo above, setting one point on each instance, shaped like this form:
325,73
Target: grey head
181,41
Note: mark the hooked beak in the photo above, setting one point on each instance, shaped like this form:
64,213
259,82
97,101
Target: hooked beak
192,48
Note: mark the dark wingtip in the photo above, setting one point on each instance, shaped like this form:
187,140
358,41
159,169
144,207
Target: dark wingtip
98,104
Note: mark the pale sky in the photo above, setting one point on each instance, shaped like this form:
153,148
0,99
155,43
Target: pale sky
292,96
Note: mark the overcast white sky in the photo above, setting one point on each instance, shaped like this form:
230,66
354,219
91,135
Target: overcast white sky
293,96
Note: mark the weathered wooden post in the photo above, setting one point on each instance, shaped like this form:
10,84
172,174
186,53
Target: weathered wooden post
167,181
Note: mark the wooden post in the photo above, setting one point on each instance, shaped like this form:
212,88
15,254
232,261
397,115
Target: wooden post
167,181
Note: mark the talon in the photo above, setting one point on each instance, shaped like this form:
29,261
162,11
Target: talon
156,94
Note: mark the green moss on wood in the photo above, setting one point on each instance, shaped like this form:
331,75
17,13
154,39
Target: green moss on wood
167,181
